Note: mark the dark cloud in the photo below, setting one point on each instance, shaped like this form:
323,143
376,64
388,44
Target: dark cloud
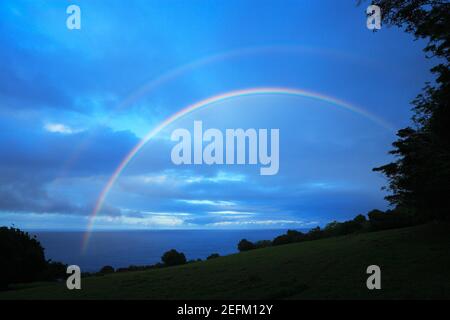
24,84
32,158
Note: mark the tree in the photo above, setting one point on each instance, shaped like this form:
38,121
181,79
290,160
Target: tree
106,270
291,236
333,229
173,258
263,244
21,257
360,219
295,236
245,245
281,240
213,256
390,219
419,178
55,271
314,234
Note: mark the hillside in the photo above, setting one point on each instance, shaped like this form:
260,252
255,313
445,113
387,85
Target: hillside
415,263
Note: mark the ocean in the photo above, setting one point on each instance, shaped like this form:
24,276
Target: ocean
125,248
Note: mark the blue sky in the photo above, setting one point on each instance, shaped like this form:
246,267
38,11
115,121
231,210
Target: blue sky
72,105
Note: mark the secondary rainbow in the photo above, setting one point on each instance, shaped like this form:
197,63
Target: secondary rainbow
209,102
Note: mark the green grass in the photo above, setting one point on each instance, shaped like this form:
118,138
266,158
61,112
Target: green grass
415,264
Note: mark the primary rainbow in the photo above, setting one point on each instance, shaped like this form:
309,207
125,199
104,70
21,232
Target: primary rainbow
208,102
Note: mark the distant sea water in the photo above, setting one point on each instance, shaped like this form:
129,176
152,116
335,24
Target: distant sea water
125,248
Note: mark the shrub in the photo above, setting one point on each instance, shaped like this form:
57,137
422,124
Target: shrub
360,219
280,240
263,244
245,245
295,236
173,258
213,256
55,271
380,220
106,270
314,234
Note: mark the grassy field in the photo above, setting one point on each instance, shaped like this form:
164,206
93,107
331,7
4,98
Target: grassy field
415,263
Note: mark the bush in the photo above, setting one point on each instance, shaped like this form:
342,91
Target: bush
173,258
245,245
314,234
360,219
21,257
291,236
280,240
134,268
380,220
213,256
295,236
335,228
106,270
55,271
263,244
332,229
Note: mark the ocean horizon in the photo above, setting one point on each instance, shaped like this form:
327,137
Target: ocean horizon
122,248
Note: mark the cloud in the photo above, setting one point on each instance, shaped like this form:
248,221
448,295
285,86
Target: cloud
263,223
43,172
208,202
34,199
58,221
60,128
143,213
221,176
230,212
183,214
153,221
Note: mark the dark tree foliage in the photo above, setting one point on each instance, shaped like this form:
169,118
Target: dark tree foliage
280,240
55,271
139,268
173,258
347,227
290,237
213,256
21,257
263,244
419,178
380,220
314,234
106,270
245,245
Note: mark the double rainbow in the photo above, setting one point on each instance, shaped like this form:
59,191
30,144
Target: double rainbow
207,103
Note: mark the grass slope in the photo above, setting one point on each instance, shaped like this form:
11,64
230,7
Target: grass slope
415,263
